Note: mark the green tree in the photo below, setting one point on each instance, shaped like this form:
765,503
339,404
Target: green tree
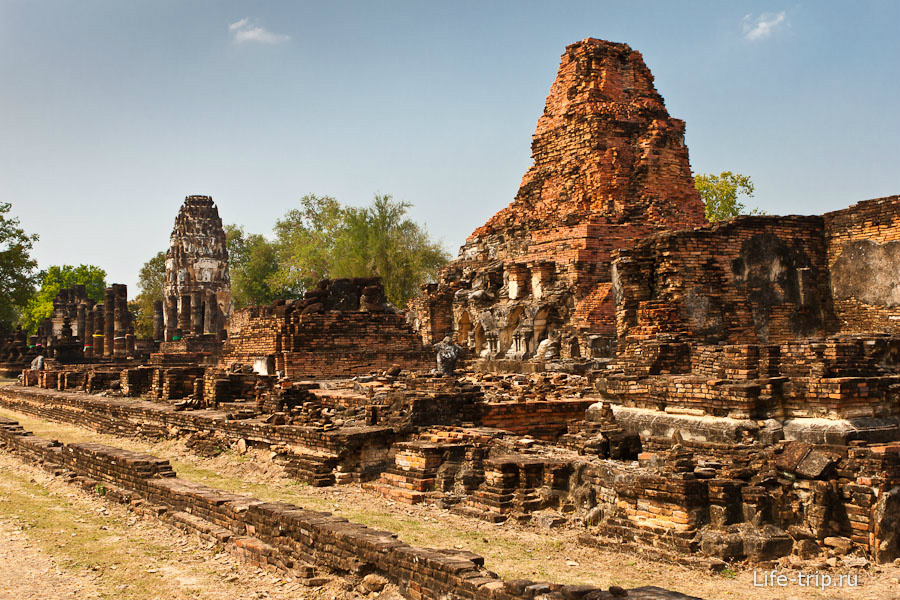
306,239
55,278
17,268
380,240
721,194
151,283
253,262
322,239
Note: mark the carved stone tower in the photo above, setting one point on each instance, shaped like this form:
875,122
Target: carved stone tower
198,284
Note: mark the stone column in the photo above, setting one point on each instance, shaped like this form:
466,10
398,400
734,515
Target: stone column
98,331
212,313
171,317
184,315
71,313
87,332
158,321
79,322
197,313
109,325
120,319
129,340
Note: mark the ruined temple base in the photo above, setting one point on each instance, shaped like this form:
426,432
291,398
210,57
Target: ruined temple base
872,430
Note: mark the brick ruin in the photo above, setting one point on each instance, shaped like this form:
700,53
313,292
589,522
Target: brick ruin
78,331
610,167
344,327
191,317
701,393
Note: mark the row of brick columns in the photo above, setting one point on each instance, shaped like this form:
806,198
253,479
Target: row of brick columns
106,329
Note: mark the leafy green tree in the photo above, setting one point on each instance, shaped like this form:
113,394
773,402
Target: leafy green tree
151,283
322,239
55,278
380,240
721,194
306,239
17,268
253,262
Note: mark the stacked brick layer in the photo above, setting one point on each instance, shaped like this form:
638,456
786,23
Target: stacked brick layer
323,345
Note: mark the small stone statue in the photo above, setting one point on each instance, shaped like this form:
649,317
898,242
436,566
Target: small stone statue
447,355
38,363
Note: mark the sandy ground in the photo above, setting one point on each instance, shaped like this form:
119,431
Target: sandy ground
511,549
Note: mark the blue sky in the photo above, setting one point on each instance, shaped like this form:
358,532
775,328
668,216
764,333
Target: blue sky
111,112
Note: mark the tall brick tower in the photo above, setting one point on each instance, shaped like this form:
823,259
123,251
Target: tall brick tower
198,284
610,167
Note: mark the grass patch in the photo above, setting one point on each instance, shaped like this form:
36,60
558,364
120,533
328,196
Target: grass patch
83,540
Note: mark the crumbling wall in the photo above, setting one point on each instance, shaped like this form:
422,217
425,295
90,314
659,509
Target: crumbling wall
746,280
863,244
341,328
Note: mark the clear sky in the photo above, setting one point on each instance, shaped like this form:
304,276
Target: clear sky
112,112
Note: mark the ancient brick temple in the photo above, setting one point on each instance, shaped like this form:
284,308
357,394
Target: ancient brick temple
699,392
198,286
610,167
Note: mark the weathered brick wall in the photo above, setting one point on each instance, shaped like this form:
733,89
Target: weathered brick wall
344,344
431,313
746,280
324,344
863,244
545,420
253,332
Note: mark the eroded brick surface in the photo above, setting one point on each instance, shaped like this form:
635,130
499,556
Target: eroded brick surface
610,166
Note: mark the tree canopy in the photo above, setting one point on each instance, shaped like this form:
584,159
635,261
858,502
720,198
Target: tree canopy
307,240
151,283
17,267
324,239
253,263
55,278
721,194
380,240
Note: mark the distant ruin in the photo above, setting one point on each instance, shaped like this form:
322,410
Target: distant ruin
198,285
695,392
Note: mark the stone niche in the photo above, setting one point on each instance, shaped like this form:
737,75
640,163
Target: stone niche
610,167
